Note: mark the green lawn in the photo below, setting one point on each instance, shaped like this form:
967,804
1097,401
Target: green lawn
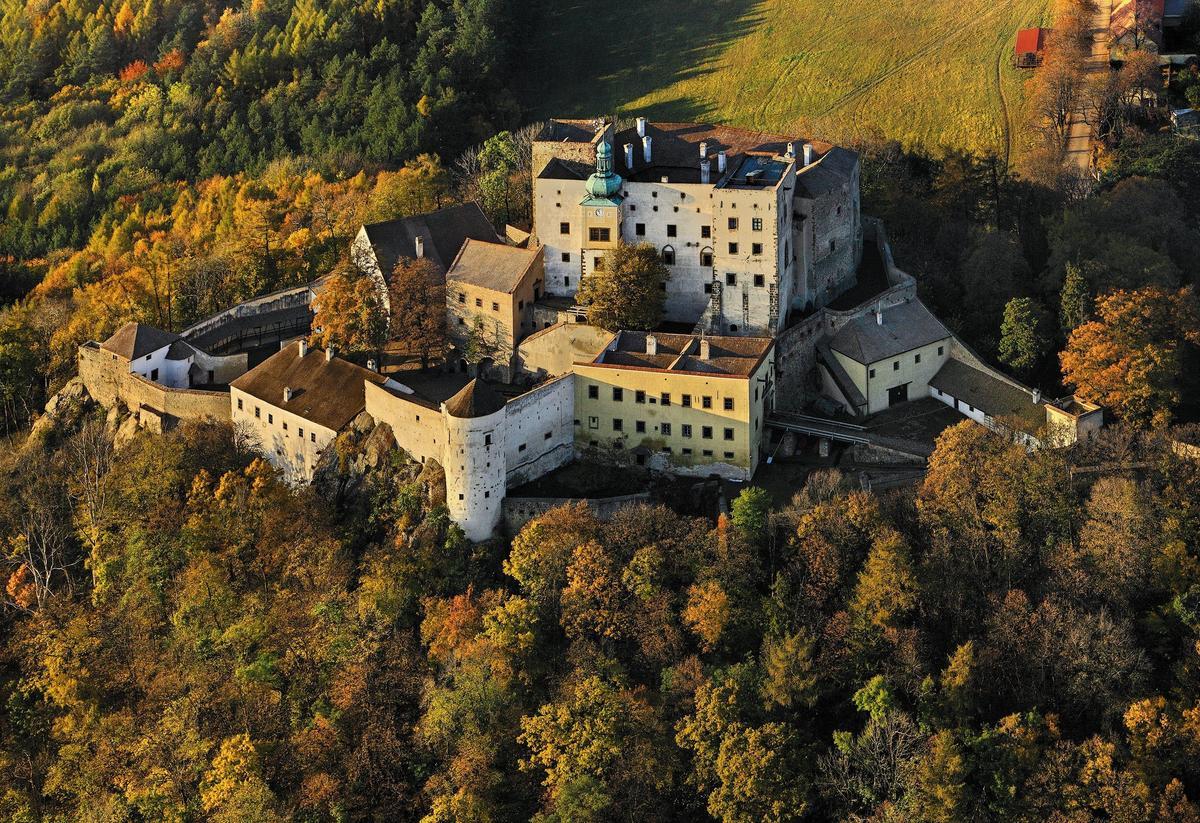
927,73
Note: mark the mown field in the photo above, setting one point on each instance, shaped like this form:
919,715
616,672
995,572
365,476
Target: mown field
933,73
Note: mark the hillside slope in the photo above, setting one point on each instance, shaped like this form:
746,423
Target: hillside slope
931,74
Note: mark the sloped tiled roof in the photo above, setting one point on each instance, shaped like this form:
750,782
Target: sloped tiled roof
134,340
328,392
443,232
905,327
477,399
732,356
491,266
999,399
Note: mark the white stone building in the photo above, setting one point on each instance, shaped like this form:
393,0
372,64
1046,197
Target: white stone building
167,359
752,226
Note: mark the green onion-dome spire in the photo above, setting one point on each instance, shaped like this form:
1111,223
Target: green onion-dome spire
605,183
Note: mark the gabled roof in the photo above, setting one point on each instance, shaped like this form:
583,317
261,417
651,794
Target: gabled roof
905,327
134,340
492,266
999,399
443,233
729,356
328,392
1030,41
832,171
476,399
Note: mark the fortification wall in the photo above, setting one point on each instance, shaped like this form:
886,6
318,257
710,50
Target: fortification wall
418,429
540,431
281,311
520,510
108,382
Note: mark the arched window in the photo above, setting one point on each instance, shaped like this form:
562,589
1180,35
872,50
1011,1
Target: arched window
668,255
706,257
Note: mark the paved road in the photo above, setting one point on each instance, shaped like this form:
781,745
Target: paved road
1079,138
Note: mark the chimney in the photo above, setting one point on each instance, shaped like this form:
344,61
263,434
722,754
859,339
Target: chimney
721,162
791,150
646,141
651,344
629,155
329,353
420,244
703,150
705,170
372,365
303,348
641,126
1037,396
287,394
705,353
879,315
808,154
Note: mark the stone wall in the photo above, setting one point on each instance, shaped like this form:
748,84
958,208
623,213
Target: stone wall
223,328
108,382
520,510
540,435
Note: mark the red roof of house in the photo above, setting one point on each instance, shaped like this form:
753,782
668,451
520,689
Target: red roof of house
1030,41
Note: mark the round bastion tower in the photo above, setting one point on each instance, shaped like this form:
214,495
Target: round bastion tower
474,458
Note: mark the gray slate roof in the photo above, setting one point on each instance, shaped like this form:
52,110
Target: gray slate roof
905,327
477,399
832,172
134,340
492,266
443,231
997,398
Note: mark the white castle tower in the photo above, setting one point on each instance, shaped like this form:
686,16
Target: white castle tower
474,459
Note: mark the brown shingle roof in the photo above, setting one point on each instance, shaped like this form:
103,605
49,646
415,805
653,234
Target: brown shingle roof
491,265
477,399
999,399
733,356
134,340
327,392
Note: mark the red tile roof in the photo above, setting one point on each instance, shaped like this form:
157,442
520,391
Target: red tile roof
1030,41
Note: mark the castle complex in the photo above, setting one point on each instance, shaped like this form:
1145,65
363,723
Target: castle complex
781,298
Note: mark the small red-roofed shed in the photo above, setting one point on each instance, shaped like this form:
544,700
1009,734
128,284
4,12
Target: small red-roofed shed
1031,44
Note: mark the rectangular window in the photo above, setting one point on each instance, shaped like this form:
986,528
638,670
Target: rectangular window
666,429
729,434
668,256
487,440
728,455
618,424
665,399
521,447
312,437
872,374
639,397
896,365
728,404
462,298
686,401
547,435
270,419
567,281
566,257
706,231
687,451
706,432
708,288
759,280
917,357
756,224
708,453
258,411
598,235
733,224
639,229
706,258
733,248
671,230
686,430
154,375
593,422
300,433
520,305
597,263
618,394
239,404
640,427
285,425
495,307
730,279
706,402
941,349
479,302
593,392
564,228
756,249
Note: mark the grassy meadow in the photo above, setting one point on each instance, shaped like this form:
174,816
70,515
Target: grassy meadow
932,73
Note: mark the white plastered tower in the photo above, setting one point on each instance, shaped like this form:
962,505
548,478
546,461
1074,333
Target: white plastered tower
474,459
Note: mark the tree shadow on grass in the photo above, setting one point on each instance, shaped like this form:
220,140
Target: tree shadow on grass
584,59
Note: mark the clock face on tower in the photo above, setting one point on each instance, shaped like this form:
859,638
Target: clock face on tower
599,212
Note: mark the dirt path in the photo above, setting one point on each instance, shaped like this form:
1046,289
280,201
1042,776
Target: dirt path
1079,132
1005,117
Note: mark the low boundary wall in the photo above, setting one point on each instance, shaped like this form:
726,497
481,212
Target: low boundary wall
518,511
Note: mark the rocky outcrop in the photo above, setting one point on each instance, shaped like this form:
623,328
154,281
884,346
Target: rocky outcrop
64,412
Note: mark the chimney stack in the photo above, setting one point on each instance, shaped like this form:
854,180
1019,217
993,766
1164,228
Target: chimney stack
651,344
629,155
372,365
879,315
705,170
287,394
329,353
703,150
721,162
303,348
808,154
641,126
791,150
646,141
1037,396
705,352
420,244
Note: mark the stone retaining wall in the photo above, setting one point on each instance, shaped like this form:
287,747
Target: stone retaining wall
520,510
